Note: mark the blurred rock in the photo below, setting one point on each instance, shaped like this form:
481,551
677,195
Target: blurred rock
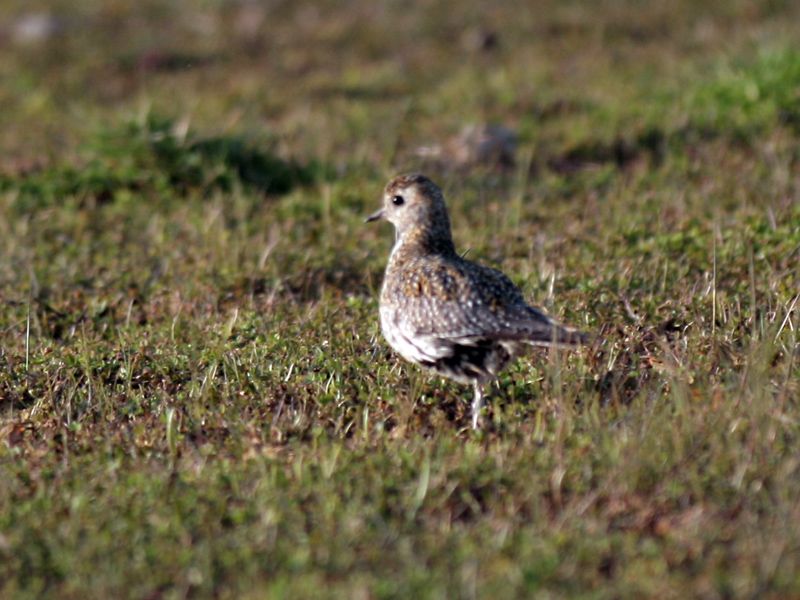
475,144
200,23
249,20
37,27
480,40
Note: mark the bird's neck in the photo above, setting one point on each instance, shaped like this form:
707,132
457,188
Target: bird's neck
422,241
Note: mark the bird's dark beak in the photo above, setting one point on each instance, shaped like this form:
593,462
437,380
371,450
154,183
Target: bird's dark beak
378,214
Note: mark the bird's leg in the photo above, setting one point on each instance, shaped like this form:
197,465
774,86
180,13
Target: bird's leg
477,404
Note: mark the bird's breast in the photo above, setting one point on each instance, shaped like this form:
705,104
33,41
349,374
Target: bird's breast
402,340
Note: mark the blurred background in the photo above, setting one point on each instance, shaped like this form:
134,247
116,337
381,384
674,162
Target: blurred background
372,83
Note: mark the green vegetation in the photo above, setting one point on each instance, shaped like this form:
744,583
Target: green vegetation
195,399
154,160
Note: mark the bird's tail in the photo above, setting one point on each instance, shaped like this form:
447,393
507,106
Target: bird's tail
560,336
545,332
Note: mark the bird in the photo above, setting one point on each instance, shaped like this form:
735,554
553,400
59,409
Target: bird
455,317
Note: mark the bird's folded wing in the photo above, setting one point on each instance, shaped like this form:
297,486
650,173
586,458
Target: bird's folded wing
467,324
470,303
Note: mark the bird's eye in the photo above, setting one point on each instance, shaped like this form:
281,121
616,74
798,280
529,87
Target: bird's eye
398,200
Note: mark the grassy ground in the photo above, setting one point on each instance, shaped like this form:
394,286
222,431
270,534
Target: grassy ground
195,399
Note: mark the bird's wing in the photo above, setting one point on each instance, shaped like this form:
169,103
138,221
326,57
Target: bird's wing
466,303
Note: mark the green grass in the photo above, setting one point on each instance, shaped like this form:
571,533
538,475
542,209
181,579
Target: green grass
195,399
155,159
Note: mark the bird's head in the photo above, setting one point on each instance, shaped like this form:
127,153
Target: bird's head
413,203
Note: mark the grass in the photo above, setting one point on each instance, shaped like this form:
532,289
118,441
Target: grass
195,399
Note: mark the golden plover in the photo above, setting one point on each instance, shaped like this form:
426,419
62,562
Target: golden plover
460,319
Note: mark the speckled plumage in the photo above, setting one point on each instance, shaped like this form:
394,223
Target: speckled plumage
461,319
